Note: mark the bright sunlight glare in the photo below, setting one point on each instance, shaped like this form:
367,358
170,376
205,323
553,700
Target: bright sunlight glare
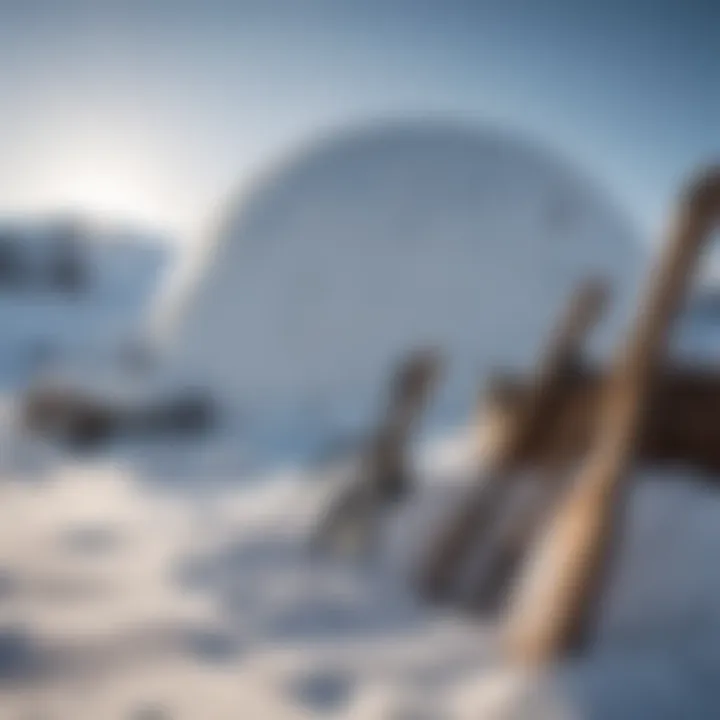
106,176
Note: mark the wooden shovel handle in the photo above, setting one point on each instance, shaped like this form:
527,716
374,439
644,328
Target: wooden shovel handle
555,604
579,317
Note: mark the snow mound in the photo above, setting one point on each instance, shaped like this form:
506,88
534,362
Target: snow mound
376,241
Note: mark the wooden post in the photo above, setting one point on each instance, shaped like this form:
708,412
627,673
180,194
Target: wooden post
385,462
383,475
555,605
475,512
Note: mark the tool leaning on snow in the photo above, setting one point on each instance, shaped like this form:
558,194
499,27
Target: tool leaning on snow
476,513
572,415
554,608
381,476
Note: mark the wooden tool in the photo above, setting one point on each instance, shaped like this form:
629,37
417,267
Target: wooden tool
487,496
554,607
382,475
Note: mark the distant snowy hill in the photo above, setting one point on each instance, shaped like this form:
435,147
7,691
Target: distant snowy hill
374,242
43,320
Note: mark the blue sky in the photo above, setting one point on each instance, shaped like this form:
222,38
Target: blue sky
157,110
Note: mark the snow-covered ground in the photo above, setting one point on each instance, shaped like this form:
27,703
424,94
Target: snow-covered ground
118,600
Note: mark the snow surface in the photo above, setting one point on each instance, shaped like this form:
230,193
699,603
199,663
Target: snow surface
118,600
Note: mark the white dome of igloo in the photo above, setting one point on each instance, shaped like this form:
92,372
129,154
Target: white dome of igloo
376,241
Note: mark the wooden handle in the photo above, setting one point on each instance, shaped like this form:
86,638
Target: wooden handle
556,600
579,317
382,474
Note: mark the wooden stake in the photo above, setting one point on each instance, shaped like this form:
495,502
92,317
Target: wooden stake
555,606
475,512
383,475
